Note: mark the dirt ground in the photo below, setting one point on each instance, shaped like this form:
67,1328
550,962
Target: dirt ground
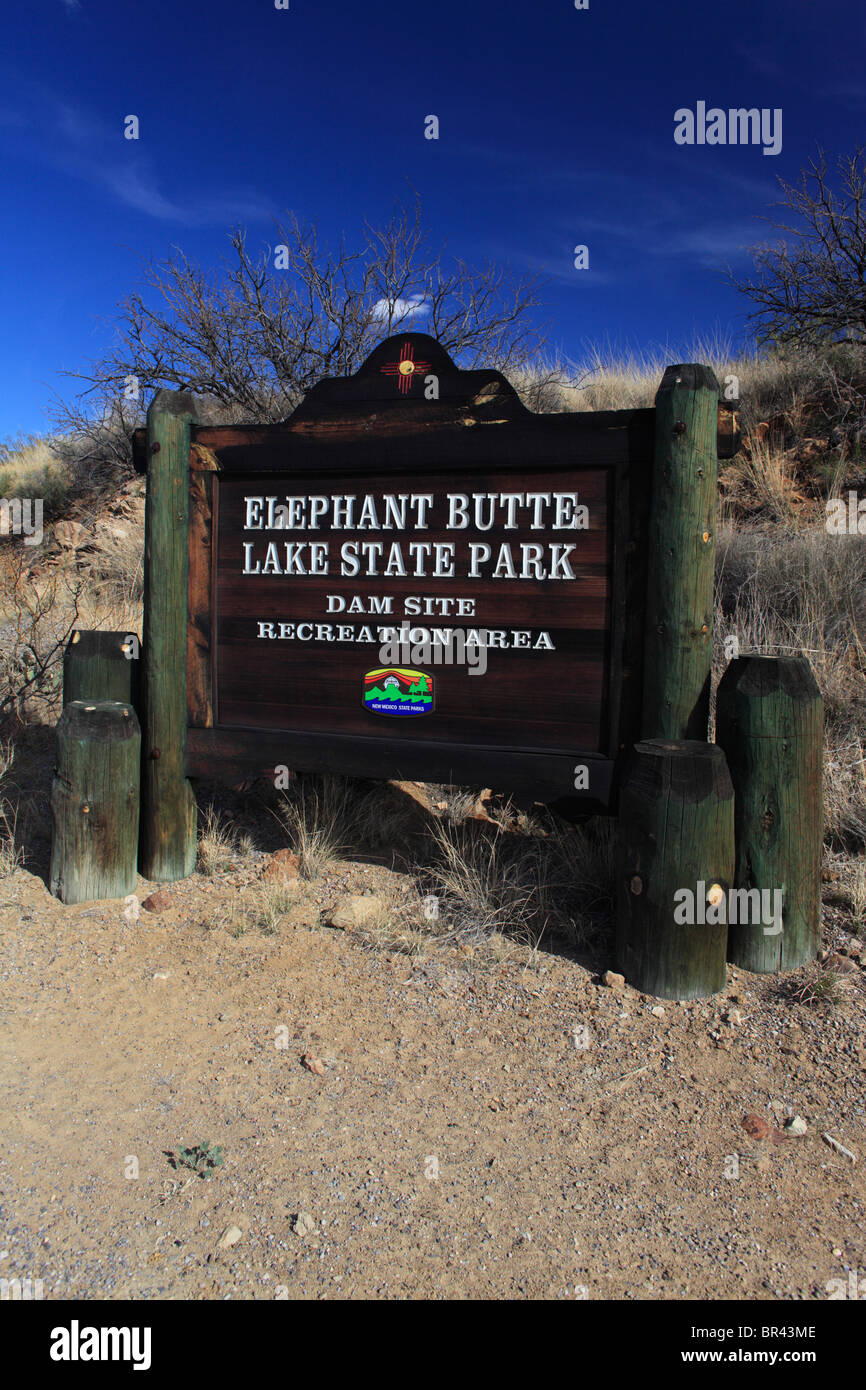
481,1128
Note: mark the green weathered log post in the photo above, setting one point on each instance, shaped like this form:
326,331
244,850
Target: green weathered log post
678,640
102,666
95,801
168,807
770,723
675,864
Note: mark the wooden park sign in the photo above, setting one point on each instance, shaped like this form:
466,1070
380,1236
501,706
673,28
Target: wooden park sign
414,577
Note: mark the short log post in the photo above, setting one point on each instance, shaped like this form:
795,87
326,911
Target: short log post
168,807
101,666
678,643
770,723
675,865
94,801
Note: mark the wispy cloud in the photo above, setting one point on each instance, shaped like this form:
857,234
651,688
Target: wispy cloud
71,141
71,5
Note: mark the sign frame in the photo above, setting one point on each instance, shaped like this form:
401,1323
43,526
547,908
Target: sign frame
380,422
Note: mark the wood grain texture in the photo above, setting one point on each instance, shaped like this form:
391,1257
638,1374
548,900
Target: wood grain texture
168,808
682,539
581,702
310,679
95,802
675,831
101,665
770,723
199,693
242,753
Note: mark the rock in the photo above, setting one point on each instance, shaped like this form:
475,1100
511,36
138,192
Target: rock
733,1016
358,911
313,1064
758,1128
613,980
657,1011
131,908
230,1236
69,535
108,532
796,1125
283,865
840,964
303,1224
160,901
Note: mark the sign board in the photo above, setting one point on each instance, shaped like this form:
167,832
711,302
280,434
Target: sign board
416,577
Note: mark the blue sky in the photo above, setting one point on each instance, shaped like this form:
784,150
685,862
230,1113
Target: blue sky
556,128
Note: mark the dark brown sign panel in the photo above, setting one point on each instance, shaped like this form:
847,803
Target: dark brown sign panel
417,577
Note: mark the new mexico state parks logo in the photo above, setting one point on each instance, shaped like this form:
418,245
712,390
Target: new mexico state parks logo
397,690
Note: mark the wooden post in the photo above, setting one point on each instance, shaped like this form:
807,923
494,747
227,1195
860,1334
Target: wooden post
770,723
101,666
94,801
676,838
682,538
168,808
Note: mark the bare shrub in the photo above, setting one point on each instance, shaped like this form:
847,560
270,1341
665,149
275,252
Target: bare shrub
38,612
255,337
809,283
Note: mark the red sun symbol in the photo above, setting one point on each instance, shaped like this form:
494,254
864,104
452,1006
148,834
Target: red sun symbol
406,369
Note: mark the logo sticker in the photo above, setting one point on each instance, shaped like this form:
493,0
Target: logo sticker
397,690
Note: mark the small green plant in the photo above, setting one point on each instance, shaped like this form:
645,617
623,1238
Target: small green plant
201,1158
818,989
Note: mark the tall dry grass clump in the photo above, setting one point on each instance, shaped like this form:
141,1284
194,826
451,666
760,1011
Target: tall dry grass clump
783,592
550,881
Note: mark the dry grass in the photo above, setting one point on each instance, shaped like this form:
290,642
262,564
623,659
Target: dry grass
30,467
266,906
220,845
786,592
816,988
855,889
116,569
768,475
488,882
804,386
323,818
11,855
400,924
